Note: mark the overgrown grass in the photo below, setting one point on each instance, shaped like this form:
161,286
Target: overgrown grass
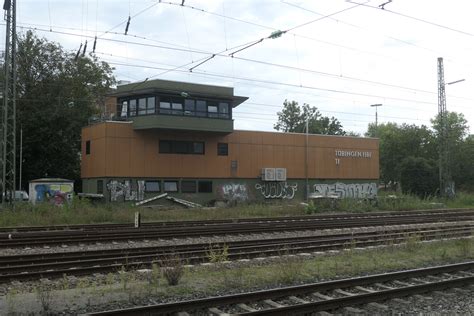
294,269
83,212
221,278
390,202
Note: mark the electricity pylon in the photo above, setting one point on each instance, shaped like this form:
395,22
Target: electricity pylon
8,112
446,184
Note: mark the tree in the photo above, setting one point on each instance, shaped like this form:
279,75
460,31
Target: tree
398,142
57,94
463,169
460,163
293,119
419,176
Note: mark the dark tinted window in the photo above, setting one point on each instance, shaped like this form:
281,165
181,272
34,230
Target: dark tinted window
170,186
100,186
152,186
188,186
198,148
222,149
189,107
88,147
141,106
150,105
201,108
165,105
224,110
165,146
205,186
132,107
181,147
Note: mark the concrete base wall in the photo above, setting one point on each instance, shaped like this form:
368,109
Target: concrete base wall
238,190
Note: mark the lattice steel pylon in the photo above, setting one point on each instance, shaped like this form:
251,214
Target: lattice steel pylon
8,113
446,185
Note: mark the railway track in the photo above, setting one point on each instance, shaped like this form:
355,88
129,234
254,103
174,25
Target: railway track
324,296
167,231
187,223
51,265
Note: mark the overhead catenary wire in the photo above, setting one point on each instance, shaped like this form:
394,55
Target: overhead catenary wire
338,76
415,18
253,60
165,70
284,84
278,33
298,67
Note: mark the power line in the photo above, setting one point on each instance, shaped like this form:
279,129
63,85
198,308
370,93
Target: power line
301,69
217,54
338,112
284,84
415,18
220,54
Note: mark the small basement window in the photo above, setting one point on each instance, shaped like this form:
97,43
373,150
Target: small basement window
100,186
152,186
170,186
205,186
88,147
188,186
222,149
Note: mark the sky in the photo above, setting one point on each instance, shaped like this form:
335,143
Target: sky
340,56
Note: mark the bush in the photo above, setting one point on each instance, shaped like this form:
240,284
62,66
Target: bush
173,268
419,176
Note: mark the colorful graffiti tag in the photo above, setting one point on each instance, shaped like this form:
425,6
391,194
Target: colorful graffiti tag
346,190
118,189
277,190
56,194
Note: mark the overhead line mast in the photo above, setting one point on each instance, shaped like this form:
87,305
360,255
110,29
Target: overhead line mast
8,113
446,185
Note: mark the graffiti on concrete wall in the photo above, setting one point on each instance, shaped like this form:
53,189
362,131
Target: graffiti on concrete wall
234,192
277,190
346,190
119,189
54,193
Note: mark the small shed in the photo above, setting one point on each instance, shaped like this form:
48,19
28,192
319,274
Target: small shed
56,191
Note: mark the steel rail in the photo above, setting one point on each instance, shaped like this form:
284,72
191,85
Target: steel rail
332,216
67,237
443,231
309,307
34,269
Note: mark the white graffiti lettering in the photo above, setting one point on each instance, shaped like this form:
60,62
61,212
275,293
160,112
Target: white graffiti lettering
118,189
343,190
277,190
235,192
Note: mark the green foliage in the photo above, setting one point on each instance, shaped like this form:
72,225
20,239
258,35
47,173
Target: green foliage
217,253
419,176
56,96
293,119
398,142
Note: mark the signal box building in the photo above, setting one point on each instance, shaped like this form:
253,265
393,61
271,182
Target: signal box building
179,138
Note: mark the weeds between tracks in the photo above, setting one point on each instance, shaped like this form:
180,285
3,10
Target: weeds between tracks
133,287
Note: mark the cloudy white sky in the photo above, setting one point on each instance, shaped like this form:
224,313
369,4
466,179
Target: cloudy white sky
338,56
